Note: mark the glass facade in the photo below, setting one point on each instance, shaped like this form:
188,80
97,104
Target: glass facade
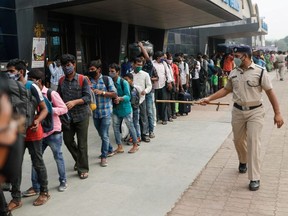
184,40
8,31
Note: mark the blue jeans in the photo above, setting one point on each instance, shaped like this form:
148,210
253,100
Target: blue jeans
136,121
117,124
54,141
102,126
149,98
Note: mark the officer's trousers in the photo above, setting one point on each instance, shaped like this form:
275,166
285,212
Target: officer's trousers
247,128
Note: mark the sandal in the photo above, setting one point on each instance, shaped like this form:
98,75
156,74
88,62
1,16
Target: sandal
118,151
42,199
13,204
83,175
133,150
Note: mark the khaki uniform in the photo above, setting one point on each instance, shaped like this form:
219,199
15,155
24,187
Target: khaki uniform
248,118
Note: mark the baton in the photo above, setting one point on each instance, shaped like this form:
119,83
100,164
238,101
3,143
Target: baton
193,102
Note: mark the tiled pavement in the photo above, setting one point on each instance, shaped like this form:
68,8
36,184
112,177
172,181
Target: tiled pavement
220,190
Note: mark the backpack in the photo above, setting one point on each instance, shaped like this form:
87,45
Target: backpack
202,75
65,118
48,123
134,94
135,97
23,102
92,95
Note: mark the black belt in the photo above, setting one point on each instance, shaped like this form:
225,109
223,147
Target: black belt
246,108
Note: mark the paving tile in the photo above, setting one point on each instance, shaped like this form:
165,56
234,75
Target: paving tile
228,192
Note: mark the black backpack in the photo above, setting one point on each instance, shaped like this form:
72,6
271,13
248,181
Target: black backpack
203,74
23,102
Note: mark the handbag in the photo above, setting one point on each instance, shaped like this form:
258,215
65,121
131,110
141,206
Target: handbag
66,121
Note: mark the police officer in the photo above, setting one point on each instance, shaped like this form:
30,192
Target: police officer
246,82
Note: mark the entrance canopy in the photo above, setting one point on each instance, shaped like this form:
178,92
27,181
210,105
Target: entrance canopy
161,14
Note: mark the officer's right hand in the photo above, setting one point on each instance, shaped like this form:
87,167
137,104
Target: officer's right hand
204,101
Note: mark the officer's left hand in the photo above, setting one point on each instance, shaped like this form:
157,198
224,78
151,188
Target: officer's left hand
278,120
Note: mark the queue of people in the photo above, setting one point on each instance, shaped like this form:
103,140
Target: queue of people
127,97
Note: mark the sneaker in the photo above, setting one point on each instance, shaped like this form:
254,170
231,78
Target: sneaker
151,135
110,154
30,192
103,162
145,138
62,187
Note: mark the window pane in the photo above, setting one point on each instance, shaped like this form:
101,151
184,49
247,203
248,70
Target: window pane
7,22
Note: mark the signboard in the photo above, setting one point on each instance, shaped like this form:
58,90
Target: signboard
38,52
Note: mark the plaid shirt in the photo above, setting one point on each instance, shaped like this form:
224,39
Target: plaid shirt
104,104
71,90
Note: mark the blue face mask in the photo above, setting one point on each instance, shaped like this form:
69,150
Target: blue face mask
68,70
162,60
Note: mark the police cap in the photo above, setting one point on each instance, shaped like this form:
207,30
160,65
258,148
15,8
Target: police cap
242,49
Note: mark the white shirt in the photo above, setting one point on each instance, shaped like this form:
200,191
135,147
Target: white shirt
197,70
183,73
142,81
163,74
56,73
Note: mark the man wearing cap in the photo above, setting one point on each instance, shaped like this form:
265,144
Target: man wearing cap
246,82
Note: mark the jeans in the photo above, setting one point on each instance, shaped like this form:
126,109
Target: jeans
143,119
117,124
136,113
78,151
149,98
102,126
35,151
54,141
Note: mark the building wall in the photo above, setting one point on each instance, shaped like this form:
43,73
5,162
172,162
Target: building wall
8,31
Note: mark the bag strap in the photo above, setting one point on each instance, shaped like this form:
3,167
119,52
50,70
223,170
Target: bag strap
80,80
49,92
106,81
260,79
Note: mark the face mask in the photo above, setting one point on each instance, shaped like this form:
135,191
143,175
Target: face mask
162,60
112,74
68,70
137,69
237,62
169,61
92,74
14,76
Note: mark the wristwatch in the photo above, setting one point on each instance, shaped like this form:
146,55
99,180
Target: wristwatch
103,93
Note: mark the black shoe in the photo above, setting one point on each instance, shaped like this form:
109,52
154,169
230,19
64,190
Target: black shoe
145,138
242,168
254,185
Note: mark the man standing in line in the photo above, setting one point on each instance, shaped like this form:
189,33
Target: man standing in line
17,70
77,98
122,109
104,90
143,81
246,82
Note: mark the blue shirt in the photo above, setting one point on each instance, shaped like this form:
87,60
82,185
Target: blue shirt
104,104
124,107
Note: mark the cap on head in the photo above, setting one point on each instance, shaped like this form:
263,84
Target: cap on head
242,49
